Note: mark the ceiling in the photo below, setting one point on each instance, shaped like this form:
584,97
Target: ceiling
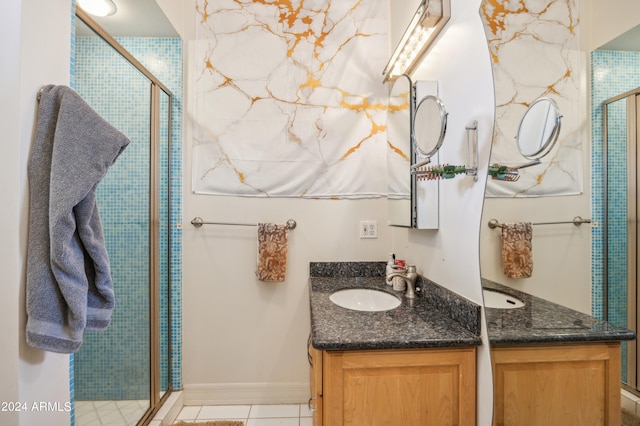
134,18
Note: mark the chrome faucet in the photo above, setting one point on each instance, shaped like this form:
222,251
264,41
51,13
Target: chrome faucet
410,277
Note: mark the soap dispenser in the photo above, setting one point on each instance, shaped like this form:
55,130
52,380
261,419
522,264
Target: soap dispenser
389,269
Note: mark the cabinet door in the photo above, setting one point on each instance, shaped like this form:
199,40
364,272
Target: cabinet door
400,387
557,385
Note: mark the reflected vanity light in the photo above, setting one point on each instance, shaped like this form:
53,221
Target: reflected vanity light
98,7
427,22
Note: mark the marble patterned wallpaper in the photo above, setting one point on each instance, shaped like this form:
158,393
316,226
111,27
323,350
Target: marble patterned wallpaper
289,99
534,48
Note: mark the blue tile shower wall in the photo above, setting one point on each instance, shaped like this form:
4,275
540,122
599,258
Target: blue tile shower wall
115,364
613,73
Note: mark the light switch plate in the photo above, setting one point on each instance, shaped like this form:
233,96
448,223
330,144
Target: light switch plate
368,229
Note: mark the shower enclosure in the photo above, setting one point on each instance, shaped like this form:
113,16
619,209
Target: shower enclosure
122,375
621,133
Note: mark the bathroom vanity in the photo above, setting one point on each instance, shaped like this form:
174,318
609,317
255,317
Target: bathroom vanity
399,366
553,365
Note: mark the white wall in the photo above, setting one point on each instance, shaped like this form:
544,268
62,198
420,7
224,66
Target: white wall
242,335
35,41
10,259
174,11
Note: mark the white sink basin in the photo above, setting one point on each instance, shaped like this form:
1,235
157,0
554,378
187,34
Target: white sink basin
499,300
363,299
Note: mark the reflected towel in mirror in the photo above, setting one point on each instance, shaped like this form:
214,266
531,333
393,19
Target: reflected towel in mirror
517,253
272,252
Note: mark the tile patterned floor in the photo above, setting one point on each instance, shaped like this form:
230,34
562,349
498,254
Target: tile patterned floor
100,413
252,415
127,413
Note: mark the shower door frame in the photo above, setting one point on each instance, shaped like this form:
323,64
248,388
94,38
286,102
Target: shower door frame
632,100
156,87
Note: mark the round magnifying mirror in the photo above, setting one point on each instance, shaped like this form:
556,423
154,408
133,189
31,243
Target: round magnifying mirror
539,129
429,126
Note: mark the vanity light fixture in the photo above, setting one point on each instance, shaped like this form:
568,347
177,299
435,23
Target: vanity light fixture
98,7
427,22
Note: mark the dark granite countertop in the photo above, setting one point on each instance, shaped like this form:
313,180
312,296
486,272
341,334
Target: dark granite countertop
542,322
414,324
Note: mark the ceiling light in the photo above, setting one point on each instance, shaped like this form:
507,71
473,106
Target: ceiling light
98,7
427,22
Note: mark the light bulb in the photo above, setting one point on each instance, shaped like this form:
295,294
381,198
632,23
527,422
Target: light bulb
98,7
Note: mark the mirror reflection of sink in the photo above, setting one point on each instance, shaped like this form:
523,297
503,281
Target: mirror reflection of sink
499,300
363,299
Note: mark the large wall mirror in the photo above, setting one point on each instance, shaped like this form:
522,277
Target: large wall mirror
584,56
541,132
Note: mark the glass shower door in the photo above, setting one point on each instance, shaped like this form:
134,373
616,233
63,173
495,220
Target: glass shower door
620,132
122,376
112,370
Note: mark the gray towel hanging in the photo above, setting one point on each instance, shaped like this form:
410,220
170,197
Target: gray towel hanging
69,287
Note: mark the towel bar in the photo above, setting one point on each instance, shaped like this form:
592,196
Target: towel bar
577,221
198,222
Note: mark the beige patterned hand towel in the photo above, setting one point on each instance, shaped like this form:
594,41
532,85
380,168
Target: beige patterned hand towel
272,252
517,255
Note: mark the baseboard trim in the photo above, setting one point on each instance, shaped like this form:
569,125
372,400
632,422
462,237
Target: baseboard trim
169,410
630,402
245,393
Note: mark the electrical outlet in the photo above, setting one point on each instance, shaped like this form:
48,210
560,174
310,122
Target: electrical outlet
368,229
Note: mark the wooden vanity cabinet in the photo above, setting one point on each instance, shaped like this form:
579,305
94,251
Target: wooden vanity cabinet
315,402
560,385
412,387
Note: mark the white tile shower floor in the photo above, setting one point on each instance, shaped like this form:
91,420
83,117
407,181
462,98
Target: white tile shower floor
99,413
251,415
